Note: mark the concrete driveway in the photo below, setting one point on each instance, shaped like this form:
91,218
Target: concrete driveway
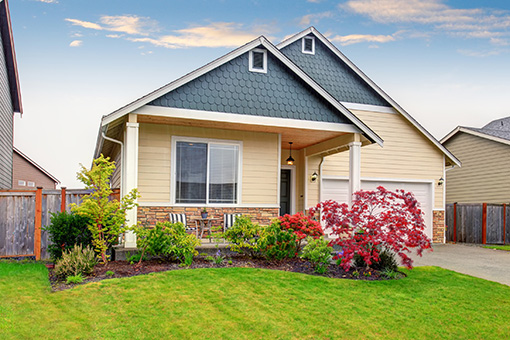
488,264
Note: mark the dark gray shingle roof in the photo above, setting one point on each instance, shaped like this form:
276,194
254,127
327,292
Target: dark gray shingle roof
497,128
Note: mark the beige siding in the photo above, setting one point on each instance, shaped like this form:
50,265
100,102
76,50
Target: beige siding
259,161
485,172
407,154
117,158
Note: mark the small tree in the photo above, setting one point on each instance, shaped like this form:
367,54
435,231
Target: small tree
302,226
377,220
107,216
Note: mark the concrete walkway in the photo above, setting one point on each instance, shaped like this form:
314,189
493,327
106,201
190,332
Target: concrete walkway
488,264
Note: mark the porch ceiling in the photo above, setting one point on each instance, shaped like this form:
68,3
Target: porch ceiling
301,138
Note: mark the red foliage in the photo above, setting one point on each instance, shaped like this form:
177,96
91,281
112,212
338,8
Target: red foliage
302,226
377,219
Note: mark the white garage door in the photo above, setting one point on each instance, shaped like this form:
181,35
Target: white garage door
338,189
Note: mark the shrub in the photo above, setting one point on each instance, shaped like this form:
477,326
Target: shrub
276,243
243,236
138,257
376,220
386,261
318,252
76,261
74,279
303,226
109,273
168,240
66,230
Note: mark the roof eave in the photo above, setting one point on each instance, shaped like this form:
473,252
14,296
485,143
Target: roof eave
40,168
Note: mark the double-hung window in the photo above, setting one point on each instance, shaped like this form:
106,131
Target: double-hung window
206,171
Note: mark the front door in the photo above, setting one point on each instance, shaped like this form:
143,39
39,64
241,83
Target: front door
285,192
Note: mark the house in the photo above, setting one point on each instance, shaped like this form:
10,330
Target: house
267,130
485,154
27,174
10,96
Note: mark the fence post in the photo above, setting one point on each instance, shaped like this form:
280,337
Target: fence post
484,223
455,222
38,223
63,199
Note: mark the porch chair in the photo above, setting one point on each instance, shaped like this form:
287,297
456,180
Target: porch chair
174,218
229,220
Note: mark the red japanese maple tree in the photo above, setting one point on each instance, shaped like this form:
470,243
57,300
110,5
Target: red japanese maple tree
302,226
377,220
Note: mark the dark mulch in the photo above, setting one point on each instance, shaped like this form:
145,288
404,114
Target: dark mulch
125,269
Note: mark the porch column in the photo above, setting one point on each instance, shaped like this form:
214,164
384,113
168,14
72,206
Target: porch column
130,180
354,168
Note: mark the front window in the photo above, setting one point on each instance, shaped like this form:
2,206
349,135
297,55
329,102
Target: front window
206,172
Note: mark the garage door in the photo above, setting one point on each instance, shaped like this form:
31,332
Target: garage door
338,190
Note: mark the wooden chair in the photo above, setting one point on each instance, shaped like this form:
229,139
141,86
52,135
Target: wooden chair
175,218
229,220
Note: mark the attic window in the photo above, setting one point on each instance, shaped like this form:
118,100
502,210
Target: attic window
258,61
308,45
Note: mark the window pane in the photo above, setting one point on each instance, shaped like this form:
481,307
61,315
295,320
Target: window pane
191,172
223,173
258,60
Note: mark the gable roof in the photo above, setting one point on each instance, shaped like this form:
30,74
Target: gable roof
40,168
261,41
10,56
498,131
313,31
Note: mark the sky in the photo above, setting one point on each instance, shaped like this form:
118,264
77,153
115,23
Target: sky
446,62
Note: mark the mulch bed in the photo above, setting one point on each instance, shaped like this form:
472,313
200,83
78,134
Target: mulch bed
125,269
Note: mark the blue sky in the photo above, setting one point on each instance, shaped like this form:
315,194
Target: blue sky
446,62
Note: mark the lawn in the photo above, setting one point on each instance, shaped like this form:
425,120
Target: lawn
505,247
247,303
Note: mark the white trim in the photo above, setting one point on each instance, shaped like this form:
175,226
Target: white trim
279,166
371,108
441,209
160,111
474,133
130,181
275,52
305,194
22,183
371,84
354,170
264,61
173,169
292,169
168,204
303,45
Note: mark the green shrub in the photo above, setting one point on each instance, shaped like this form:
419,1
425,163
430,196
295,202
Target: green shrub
66,230
169,241
318,252
276,243
76,261
109,273
387,261
136,258
74,279
243,236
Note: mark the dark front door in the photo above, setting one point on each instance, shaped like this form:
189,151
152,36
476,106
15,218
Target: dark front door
285,192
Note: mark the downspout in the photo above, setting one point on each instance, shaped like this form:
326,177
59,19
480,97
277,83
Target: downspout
121,161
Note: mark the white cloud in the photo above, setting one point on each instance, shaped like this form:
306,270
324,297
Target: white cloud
129,24
482,23
216,34
359,38
314,18
76,43
115,36
48,1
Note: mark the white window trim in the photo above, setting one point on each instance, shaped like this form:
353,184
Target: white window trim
250,61
303,45
21,183
173,171
30,184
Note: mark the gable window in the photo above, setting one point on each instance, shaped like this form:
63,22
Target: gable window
258,61
22,183
206,172
31,184
308,45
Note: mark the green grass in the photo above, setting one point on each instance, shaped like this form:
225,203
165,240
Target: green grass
247,303
505,247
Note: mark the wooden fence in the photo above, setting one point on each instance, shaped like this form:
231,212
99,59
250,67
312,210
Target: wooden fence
25,213
478,223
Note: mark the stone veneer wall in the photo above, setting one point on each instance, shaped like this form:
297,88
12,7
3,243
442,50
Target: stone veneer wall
149,216
438,227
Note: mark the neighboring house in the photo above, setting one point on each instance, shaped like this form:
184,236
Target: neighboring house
219,137
10,96
485,155
27,174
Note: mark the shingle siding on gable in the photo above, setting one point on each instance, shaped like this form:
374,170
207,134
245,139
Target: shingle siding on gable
6,125
333,74
232,88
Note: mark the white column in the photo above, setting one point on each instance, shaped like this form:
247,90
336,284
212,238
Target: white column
354,168
130,177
